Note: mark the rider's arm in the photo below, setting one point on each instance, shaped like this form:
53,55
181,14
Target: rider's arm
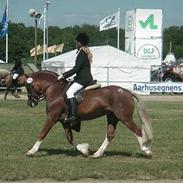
17,63
79,62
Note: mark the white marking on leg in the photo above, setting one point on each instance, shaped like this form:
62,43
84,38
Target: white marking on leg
145,147
83,148
34,149
101,149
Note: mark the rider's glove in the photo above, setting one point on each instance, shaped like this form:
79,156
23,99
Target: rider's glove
60,77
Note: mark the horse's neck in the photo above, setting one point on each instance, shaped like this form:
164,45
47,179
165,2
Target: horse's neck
46,84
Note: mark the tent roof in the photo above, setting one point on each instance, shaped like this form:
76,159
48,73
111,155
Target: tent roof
1,61
103,56
170,58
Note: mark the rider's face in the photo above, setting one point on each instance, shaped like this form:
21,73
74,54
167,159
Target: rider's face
78,45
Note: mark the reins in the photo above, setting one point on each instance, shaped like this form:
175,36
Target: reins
31,95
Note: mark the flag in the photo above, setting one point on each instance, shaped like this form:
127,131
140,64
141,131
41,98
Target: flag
59,48
33,51
51,49
40,49
109,22
4,24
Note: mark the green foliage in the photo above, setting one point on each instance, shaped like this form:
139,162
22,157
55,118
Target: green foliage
21,39
56,159
173,34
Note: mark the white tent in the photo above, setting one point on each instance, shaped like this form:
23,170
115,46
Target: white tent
169,59
1,61
110,66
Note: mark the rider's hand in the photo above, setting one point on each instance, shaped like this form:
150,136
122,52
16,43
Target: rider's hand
60,77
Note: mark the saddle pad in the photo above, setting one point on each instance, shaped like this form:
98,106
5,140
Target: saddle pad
91,87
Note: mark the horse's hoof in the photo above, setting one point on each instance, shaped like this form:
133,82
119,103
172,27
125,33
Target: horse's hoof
83,148
16,96
30,153
148,154
97,155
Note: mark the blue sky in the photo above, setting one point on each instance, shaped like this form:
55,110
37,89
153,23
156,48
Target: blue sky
64,13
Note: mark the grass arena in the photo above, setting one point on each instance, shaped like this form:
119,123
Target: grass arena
59,161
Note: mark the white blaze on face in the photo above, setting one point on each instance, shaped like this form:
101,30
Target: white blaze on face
29,80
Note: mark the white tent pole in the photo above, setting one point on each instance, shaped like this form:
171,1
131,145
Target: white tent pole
44,32
7,33
118,28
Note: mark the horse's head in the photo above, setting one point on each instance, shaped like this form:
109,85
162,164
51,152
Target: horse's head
34,92
43,83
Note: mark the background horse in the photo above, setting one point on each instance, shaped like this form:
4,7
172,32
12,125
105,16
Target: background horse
113,101
6,79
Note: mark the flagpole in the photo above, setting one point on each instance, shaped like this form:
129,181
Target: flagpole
7,33
118,28
44,33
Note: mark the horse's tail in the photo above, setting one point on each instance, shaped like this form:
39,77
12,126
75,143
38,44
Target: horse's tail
147,130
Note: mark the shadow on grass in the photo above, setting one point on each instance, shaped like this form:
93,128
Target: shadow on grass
50,152
70,152
126,154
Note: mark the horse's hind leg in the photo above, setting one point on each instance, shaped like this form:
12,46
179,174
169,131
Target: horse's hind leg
111,127
138,132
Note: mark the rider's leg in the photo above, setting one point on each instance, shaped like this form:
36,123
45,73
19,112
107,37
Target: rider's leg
14,81
15,85
72,103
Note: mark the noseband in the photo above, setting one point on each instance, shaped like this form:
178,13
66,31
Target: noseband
34,97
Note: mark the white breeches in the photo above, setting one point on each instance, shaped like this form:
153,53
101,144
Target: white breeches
73,89
15,75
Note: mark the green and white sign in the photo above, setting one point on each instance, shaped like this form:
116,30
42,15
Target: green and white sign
143,23
149,49
148,23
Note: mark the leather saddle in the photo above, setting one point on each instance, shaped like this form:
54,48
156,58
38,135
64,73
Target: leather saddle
81,93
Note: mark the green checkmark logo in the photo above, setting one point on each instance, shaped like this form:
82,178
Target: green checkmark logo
149,21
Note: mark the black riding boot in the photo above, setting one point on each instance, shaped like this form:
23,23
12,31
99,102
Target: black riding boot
72,114
14,88
14,84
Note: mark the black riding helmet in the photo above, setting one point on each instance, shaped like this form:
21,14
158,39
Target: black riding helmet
83,39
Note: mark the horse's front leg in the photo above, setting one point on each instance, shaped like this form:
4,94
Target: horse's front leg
6,92
46,128
83,148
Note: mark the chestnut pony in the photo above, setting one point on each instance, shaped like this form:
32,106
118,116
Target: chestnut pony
6,79
116,103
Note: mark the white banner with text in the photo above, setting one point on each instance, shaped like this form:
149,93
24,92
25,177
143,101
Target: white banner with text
165,87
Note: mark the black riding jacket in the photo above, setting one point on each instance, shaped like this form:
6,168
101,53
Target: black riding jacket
18,67
82,69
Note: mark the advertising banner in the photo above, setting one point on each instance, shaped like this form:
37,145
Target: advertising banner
150,50
130,45
148,23
165,87
130,23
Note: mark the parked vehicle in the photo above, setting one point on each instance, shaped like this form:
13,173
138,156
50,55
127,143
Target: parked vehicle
168,73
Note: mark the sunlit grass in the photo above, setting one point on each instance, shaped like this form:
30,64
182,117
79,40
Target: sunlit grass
20,126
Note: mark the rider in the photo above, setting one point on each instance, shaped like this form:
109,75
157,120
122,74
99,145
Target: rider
83,77
17,70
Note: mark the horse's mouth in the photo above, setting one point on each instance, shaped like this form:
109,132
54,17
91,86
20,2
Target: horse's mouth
31,104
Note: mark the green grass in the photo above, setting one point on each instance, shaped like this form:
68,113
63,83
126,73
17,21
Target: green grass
20,126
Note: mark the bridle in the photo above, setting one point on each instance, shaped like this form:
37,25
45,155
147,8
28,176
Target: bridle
33,97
